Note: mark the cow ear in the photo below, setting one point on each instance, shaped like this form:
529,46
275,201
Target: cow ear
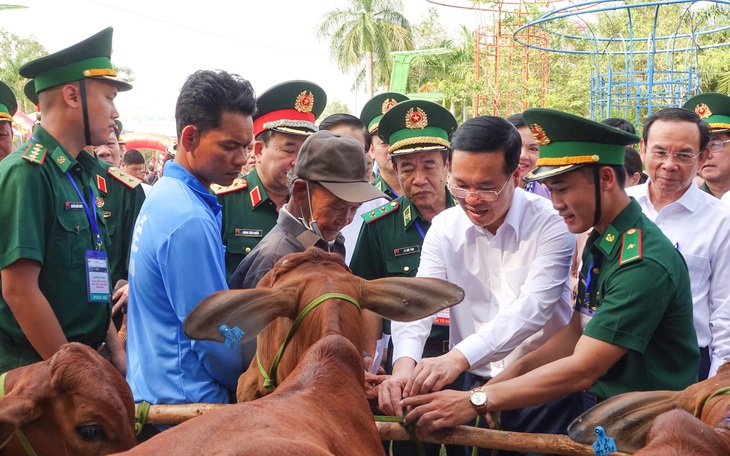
21,403
637,408
408,298
249,310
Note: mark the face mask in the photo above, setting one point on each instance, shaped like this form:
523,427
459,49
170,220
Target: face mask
311,225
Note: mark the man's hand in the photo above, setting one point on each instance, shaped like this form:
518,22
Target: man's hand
438,410
120,298
433,374
391,390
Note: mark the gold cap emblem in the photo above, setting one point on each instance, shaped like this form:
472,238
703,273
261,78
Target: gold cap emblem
387,104
540,136
703,111
304,102
416,119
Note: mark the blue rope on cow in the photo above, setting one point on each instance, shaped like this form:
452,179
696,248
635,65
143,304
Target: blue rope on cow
270,377
18,433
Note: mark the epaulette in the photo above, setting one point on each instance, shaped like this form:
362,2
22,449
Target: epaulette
381,211
238,184
630,247
126,179
35,153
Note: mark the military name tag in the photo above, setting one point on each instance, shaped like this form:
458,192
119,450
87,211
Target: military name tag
74,206
246,232
407,250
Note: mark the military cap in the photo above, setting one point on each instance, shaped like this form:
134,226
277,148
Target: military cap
374,109
568,142
87,59
8,103
290,107
416,126
713,108
30,93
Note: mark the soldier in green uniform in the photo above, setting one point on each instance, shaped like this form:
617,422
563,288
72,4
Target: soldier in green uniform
54,274
373,111
714,108
631,328
8,107
285,118
390,240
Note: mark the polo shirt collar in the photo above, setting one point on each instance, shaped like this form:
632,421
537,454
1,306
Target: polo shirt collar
179,172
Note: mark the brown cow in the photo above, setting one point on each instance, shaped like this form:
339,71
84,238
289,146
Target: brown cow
320,409
75,403
649,420
294,282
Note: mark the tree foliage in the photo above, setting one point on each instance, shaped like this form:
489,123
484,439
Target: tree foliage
15,51
362,37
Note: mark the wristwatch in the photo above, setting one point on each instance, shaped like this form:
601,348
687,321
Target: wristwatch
478,398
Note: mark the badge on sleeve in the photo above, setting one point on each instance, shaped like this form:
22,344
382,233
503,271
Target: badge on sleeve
97,276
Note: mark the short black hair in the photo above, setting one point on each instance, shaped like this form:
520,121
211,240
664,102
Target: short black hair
620,171
206,95
489,134
341,118
679,115
517,120
621,124
133,157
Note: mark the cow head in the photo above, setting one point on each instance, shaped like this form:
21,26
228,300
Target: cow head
75,403
294,282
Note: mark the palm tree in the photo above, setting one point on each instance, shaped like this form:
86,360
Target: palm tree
367,30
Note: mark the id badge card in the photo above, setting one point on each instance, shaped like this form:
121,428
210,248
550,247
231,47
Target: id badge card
97,276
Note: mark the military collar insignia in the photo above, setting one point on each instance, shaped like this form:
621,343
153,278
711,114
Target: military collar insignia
608,240
304,102
387,104
255,196
407,215
703,111
101,184
540,136
35,153
416,119
59,158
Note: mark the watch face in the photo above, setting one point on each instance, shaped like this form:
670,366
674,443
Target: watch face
478,397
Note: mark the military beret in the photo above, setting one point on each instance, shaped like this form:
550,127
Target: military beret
416,126
8,103
713,108
374,109
568,142
290,107
88,59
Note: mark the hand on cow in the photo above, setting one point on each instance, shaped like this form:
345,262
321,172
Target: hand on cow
120,298
433,374
438,410
390,392
372,385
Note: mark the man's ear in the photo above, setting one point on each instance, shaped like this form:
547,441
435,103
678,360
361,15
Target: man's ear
642,150
258,147
189,138
299,192
71,94
608,178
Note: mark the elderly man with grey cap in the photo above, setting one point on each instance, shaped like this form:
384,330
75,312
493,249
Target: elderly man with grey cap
326,188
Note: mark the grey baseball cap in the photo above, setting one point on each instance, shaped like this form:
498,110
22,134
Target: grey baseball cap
338,164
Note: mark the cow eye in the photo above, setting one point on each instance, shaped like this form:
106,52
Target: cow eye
91,432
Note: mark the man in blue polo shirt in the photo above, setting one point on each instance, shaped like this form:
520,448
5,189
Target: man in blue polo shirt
177,256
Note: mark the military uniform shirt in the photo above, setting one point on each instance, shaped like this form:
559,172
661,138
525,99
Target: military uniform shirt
383,186
641,295
120,198
42,219
248,215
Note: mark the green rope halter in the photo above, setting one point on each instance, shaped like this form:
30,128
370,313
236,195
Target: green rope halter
270,377
23,440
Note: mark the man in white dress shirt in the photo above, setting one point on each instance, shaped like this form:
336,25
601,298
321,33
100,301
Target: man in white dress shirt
510,252
674,147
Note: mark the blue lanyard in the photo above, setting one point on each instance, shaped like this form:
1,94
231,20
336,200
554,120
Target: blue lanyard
420,230
87,207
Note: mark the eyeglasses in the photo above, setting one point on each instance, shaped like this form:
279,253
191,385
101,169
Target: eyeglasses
484,195
685,158
717,145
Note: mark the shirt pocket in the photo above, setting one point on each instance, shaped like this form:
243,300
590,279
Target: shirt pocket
699,271
70,240
406,265
241,244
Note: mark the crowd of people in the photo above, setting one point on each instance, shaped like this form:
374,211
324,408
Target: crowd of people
590,268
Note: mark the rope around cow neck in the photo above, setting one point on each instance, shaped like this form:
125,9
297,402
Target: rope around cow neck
270,377
23,441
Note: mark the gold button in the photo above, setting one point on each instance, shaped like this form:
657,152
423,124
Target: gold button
406,268
393,204
631,231
248,250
